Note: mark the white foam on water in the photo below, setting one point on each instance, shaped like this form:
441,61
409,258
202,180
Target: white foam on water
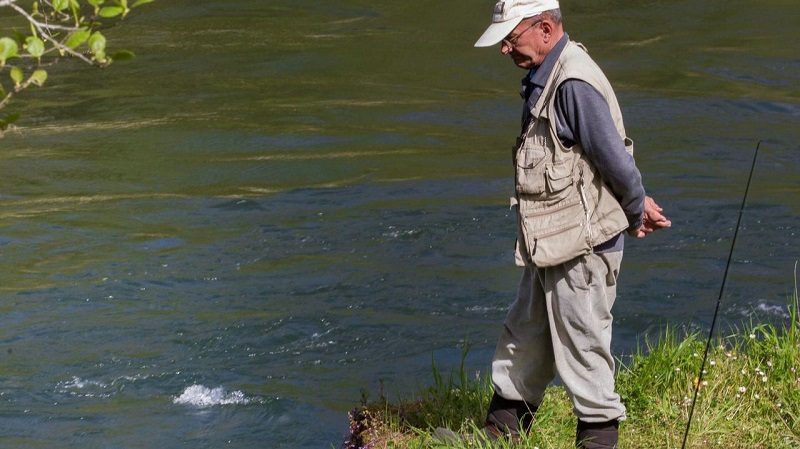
201,396
77,382
773,310
79,387
767,309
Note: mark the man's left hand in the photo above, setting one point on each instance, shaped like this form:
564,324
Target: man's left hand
652,219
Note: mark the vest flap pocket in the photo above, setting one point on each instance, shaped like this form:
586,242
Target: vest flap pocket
559,177
530,171
561,246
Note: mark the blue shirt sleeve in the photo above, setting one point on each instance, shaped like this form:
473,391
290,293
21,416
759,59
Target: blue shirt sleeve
583,116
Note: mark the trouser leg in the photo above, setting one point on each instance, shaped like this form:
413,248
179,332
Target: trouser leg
580,294
523,363
522,366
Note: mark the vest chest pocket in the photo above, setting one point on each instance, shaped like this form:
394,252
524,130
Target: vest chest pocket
531,170
535,178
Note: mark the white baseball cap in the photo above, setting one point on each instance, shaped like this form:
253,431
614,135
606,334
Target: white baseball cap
508,14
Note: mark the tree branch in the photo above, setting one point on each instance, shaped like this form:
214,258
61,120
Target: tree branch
44,28
16,90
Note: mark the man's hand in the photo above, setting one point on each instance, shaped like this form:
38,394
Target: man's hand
652,219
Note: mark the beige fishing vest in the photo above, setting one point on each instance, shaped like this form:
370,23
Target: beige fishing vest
564,207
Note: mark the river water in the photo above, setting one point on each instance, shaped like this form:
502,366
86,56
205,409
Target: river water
279,203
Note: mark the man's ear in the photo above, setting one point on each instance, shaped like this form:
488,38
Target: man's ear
547,30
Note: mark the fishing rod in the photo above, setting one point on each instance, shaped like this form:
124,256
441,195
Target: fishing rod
719,300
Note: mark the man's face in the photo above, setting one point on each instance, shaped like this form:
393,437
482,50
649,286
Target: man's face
525,45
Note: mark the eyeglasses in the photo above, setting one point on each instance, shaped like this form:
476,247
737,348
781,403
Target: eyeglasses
511,43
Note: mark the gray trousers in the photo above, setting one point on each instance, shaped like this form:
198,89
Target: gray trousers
560,324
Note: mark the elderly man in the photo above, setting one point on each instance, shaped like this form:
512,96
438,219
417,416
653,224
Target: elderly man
577,192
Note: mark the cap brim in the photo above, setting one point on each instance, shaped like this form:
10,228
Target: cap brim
497,32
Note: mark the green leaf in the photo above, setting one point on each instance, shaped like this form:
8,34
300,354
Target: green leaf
35,46
76,9
111,11
17,75
123,55
8,50
39,77
96,4
77,38
141,2
97,43
60,5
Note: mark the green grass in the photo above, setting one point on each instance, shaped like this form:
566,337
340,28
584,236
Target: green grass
749,397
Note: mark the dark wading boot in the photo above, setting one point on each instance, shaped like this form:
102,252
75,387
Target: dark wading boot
602,435
505,416
504,419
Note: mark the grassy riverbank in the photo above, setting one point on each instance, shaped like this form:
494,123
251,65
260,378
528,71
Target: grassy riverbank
749,397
